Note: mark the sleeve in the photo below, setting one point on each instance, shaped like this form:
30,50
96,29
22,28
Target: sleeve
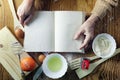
103,6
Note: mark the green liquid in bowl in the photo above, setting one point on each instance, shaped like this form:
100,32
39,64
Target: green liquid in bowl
55,64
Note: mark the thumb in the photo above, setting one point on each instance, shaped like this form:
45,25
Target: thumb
29,15
28,18
78,34
21,19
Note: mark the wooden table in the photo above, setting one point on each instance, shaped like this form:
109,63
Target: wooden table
109,70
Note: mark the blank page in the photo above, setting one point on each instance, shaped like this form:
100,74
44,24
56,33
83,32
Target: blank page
66,25
39,34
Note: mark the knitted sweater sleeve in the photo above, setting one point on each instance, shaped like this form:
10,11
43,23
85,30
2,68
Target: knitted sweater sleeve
103,6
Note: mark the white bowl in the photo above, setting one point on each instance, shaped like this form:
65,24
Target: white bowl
104,45
55,74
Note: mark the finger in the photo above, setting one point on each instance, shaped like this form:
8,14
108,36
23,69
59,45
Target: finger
21,18
77,35
86,46
85,42
28,19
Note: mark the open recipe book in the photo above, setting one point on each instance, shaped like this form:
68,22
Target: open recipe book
53,31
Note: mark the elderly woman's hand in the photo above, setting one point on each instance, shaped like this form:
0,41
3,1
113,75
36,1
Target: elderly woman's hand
25,11
87,30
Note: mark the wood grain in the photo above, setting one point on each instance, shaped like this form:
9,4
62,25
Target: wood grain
110,24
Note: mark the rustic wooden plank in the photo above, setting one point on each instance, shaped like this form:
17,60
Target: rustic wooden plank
4,75
5,19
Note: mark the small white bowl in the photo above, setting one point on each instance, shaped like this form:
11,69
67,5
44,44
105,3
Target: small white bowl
54,74
104,45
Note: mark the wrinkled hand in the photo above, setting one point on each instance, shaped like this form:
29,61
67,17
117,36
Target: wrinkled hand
25,11
87,30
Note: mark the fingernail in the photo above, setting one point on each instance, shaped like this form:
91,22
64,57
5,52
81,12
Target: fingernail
25,23
80,48
75,37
